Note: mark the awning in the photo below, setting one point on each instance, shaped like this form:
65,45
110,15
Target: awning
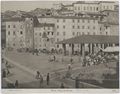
111,49
101,39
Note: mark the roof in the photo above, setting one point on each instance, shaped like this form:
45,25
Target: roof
86,2
112,49
106,1
45,24
14,19
91,39
68,17
94,13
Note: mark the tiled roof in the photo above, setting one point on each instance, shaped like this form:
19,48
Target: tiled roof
14,19
91,39
45,24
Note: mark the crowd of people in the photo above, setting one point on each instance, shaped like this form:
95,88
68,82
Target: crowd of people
95,59
39,76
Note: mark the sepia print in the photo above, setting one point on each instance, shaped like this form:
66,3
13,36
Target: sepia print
60,44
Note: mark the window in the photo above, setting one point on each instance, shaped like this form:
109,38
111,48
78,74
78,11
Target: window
48,28
78,27
96,8
100,28
52,33
63,20
75,8
8,26
88,27
93,21
21,32
83,27
78,8
57,26
93,27
82,33
93,33
21,26
8,32
57,33
63,26
84,8
63,33
14,44
88,33
57,20
106,27
13,32
77,33
13,26
69,45
87,8
83,21
90,8
73,20
48,33
40,34
107,7
88,21
73,33
106,33
57,39
57,46
73,26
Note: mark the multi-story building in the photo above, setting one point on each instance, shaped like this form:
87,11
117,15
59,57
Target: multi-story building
18,33
3,33
90,6
44,37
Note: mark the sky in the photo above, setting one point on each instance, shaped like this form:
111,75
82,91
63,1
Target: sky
29,5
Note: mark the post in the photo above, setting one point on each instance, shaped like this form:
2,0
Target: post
72,48
64,48
83,50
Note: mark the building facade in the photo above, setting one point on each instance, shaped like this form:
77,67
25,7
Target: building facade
17,33
44,37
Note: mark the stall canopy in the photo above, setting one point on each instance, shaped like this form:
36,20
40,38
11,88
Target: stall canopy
111,49
101,39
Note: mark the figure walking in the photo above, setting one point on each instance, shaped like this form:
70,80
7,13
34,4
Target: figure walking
41,80
16,84
48,79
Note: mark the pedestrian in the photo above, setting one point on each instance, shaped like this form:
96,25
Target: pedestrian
48,79
3,73
69,67
41,80
16,84
76,82
54,58
62,85
37,75
8,72
71,60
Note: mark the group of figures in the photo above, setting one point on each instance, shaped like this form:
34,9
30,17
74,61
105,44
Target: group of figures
100,57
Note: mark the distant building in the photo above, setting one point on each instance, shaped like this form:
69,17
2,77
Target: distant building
3,33
18,33
44,37
90,6
57,6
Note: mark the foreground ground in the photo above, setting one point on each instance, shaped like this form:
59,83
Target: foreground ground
25,66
